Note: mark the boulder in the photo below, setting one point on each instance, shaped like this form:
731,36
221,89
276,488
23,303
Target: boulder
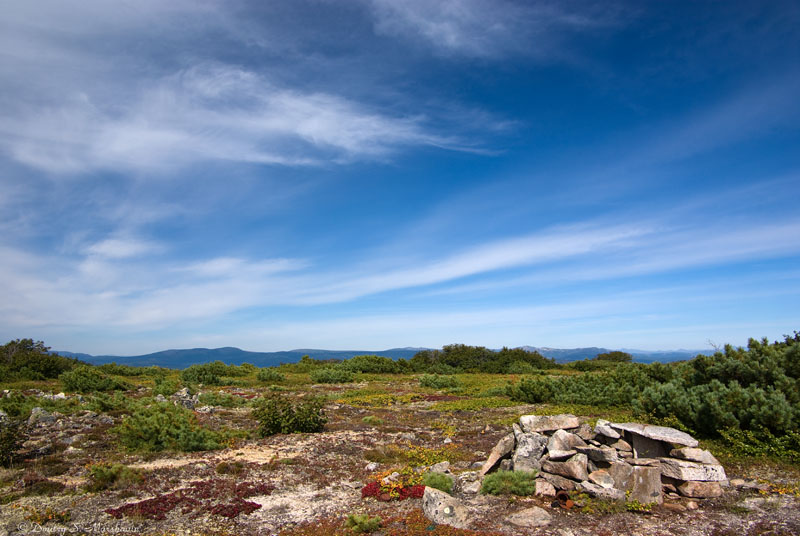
599,454
694,455
502,449
563,440
549,423
441,467
39,415
559,482
646,485
4,417
544,488
700,490
529,451
646,462
574,468
622,473
601,492
685,470
602,478
657,433
530,517
443,509
622,445
585,432
603,427
560,455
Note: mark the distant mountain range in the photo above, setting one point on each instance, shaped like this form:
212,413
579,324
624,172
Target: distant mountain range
180,359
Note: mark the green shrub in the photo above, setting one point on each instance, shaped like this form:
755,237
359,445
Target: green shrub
164,426
121,370
331,375
762,443
165,387
103,403
434,381
222,399
374,364
270,375
279,415
11,438
24,359
87,379
372,420
362,523
207,374
112,476
439,481
509,483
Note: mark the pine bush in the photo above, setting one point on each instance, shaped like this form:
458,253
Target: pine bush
279,415
164,426
11,438
439,481
270,375
88,379
434,381
509,483
335,374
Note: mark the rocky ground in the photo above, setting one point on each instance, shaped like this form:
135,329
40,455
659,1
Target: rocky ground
309,483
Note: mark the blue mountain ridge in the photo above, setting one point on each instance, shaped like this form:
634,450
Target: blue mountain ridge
180,359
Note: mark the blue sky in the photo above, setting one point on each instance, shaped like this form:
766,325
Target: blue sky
378,173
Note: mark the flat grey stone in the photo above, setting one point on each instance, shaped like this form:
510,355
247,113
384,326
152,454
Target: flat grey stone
694,455
645,462
574,468
646,485
548,423
599,454
622,445
602,478
685,470
601,492
544,488
559,482
602,427
502,449
585,432
560,455
441,467
443,509
563,440
657,433
530,517
622,473
700,490
528,452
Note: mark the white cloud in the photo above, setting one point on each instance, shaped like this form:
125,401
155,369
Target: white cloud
209,113
484,28
122,248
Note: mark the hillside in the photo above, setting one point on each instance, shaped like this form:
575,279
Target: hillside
182,358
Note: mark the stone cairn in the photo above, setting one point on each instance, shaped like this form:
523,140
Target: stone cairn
617,461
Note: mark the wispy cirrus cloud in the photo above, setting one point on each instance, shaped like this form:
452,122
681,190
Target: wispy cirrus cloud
207,113
126,284
487,29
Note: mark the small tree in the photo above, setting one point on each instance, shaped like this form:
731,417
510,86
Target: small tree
615,356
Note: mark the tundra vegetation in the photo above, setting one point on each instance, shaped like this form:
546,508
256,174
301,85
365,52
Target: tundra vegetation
220,443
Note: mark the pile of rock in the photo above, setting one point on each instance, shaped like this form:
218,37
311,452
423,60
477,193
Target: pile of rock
618,461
